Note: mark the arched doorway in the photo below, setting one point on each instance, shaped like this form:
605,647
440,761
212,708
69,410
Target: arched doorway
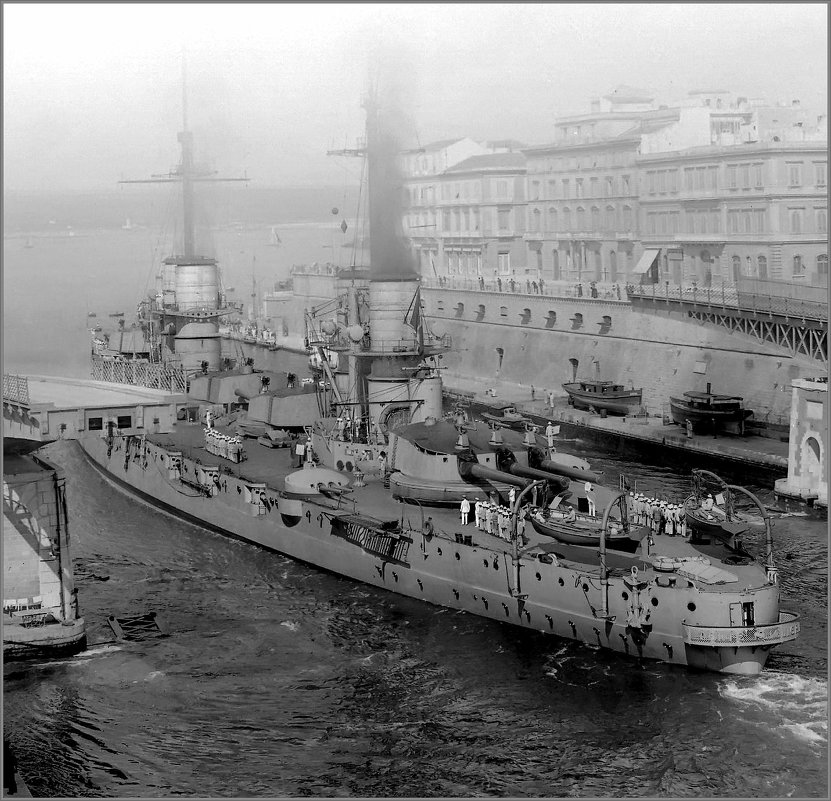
811,459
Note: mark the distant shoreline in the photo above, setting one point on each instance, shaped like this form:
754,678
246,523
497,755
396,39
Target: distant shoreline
149,206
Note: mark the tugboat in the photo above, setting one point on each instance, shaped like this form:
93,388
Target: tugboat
603,396
384,490
709,412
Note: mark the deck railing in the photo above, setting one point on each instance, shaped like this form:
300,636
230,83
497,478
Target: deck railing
141,374
786,629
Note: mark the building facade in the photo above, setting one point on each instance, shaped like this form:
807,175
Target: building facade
469,220
712,191
714,215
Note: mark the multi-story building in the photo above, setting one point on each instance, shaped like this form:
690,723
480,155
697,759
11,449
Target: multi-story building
714,215
469,218
735,190
713,190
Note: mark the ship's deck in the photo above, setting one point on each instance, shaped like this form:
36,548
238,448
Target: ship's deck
271,465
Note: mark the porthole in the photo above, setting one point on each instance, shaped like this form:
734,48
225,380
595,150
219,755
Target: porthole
561,582
585,588
654,602
691,606
339,464
625,596
348,466
457,555
495,565
539,577
438,551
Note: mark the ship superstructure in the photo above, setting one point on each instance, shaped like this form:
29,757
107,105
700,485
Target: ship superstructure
176,331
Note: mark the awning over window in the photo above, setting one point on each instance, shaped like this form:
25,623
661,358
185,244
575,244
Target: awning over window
646,261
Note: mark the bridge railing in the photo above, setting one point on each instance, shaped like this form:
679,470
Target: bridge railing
731,296
16,388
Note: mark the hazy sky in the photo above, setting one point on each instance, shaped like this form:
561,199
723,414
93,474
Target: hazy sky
92,92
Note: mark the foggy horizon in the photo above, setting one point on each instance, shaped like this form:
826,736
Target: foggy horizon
93,93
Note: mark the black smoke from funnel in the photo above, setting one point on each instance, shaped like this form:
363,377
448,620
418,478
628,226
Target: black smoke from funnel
390,258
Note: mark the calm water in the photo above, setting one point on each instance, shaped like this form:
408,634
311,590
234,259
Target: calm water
51,286
281,680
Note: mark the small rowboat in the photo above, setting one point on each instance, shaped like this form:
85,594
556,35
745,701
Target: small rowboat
713,522
582,531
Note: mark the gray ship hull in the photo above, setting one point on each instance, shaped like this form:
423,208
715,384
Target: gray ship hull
537,592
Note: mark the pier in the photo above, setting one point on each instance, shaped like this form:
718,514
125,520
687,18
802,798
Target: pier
640,434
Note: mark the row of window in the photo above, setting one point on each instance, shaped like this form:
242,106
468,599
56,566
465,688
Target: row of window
97,423
695,221
465,220
607,186
797,218
601,160
747,175
573,262
609,219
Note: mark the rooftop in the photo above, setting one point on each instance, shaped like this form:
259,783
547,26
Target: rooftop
490,161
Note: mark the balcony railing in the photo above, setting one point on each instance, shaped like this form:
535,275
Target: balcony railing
787,628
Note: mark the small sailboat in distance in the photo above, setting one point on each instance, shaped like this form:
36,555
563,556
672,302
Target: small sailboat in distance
275,240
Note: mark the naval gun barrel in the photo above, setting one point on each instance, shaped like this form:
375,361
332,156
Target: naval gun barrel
570,472
474,469
529,472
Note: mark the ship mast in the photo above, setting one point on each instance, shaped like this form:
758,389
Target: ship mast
189,300
186,174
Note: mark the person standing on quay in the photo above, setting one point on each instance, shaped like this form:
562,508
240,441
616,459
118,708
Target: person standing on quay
465,510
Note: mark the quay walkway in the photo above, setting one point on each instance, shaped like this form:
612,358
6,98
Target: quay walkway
757,454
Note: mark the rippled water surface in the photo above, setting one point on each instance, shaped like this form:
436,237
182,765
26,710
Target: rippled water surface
281,680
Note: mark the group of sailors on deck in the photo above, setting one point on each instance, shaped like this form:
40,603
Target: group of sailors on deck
224,445
660,516
493,518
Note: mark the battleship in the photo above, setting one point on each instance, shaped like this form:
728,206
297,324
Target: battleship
379,485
